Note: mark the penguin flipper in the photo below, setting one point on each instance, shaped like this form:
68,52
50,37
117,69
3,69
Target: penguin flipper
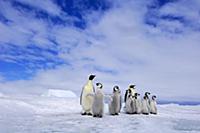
81,96
120,103
93,88
125,96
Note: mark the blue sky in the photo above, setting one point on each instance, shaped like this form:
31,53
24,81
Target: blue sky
58,43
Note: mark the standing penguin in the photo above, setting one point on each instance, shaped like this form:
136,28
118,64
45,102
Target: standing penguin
145,105
85,99
132,92
147,95
153,104
98,104
130,104
115,104
138,103
148,99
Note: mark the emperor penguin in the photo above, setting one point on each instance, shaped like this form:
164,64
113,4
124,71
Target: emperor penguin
145,105
138,103
132,92
98,104
153,104
147,95
130,105
115,104
86,100
148,99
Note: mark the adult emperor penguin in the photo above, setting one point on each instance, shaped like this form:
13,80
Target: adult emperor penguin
85,99
115,104
132,92
98,104
153,104
138,103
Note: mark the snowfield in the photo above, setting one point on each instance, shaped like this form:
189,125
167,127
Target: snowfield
35,114
60,93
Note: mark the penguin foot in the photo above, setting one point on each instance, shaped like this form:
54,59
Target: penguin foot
94,115
84,113
154,113
89,114
145,113
116,114
100,116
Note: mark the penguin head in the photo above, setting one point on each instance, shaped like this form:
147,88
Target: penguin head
132,86
116,89
147,93
153,97
137,94
99,85
91,77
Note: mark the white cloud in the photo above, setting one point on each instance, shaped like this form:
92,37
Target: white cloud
120,49
45,5
189,10
1,78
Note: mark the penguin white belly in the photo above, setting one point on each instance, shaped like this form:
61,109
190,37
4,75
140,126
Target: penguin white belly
153,108
145,107
111,107
98,104
87,99
114,105
118,104
128,105
134,107
138,106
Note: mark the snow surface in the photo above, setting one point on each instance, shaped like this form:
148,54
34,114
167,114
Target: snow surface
60,93
1,94
31,114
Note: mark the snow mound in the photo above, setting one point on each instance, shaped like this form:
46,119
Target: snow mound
60,93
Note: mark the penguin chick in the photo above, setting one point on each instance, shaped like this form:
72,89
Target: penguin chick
153,105
130,109
115,104
138,103
98,104
145,106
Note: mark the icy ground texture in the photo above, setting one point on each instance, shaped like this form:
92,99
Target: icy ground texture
60,93
50,114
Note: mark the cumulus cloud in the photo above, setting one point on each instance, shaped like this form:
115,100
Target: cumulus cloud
120,47
45,5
